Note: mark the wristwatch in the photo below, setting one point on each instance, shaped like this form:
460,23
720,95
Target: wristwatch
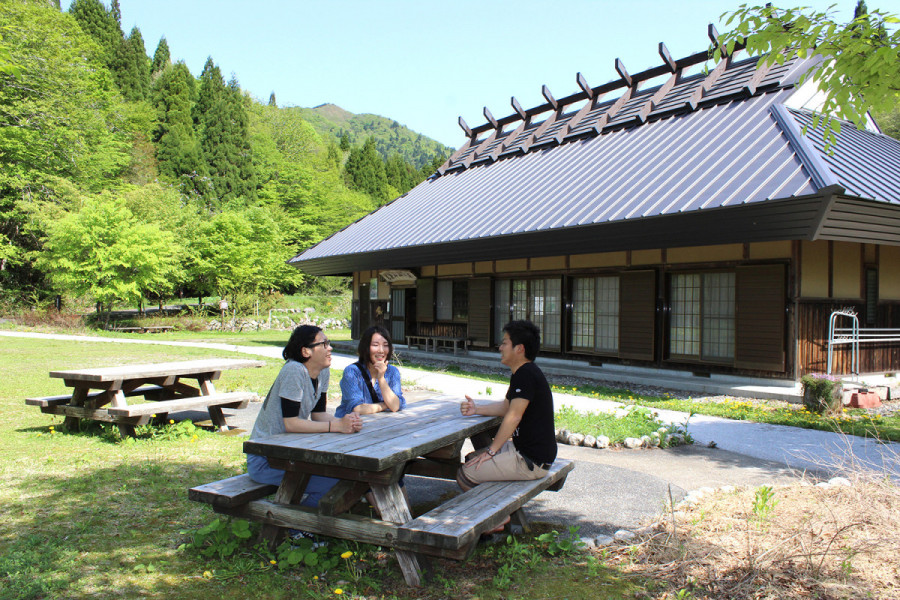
491,453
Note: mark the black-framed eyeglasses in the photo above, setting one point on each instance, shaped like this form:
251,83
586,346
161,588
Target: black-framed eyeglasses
326,342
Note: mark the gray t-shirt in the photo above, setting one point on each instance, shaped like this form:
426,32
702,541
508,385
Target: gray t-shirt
293,383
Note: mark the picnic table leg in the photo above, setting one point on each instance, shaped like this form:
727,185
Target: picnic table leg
289,492
218,418
521,519
393,508
79,397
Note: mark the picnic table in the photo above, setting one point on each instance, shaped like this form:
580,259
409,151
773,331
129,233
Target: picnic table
426,439
101,393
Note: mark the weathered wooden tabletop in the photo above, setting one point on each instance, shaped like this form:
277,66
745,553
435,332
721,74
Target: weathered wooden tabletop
184,368
386,440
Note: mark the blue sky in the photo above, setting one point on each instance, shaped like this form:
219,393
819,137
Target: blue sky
425,63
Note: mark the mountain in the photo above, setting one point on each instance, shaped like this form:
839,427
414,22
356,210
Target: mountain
331,122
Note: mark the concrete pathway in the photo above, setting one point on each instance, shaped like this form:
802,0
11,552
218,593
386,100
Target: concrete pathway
616,489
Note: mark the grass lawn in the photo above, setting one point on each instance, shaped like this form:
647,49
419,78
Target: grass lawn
91,515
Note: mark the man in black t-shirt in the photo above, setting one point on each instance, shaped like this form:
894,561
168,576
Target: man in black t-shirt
527,415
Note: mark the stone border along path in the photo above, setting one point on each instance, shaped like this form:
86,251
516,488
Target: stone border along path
613,491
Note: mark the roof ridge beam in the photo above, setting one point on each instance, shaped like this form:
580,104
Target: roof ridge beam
680,64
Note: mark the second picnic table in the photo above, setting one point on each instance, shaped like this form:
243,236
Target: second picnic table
425,438
101,393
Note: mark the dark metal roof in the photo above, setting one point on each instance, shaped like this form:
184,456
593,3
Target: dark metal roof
715,158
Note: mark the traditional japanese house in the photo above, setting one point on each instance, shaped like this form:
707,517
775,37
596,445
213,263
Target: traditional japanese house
665,219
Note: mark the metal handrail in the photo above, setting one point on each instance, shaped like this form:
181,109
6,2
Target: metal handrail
852,338
855,336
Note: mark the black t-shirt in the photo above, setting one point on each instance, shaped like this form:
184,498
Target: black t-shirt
535,436
289,408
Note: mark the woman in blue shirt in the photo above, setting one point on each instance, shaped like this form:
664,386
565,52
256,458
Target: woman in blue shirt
371,385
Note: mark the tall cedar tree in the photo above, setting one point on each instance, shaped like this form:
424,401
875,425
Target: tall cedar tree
100,24
365,172
133,73
177,148
272,101
224,129
161,58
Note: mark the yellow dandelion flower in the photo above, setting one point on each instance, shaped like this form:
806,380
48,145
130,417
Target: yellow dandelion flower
51,428
315,576
152,416
338,591
207,574
171,421
347,554
273,562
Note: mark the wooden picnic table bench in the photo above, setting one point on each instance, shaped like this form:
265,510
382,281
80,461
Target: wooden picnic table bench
426,439
100,393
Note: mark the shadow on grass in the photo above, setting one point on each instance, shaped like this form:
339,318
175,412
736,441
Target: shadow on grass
104,530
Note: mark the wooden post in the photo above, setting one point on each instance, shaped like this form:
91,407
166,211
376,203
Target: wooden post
392,505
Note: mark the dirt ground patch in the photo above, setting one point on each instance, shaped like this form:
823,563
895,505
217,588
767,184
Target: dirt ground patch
794,541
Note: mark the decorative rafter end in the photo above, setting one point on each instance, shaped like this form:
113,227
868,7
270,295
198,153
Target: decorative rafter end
545,91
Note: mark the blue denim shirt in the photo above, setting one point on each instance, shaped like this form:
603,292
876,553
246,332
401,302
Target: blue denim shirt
354,390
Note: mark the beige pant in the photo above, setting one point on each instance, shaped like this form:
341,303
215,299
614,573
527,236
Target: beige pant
506,465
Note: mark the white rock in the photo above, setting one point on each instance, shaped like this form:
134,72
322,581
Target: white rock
728,489
589,542
840,481
589,441
631,442
563,435
823,484
645,441
603,540
575,439
602,441
623,535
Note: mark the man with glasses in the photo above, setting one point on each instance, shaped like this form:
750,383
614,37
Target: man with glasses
525,444
296,404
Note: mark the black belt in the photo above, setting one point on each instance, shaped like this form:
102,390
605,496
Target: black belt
530,463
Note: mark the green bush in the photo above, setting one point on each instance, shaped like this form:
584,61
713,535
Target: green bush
822,392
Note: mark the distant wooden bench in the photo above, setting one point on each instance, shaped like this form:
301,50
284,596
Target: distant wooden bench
147,329
159,328
437,341
452,529
231,492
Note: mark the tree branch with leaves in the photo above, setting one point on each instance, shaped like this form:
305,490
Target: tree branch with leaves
860,69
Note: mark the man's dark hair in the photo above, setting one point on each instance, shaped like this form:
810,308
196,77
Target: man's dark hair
525,333
301,338
363,350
